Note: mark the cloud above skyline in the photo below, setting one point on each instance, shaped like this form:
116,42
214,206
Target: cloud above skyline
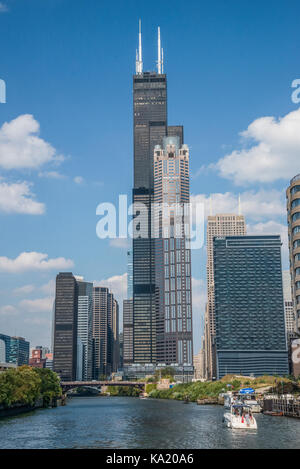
18,198
33,261
22,148
271,151
255,205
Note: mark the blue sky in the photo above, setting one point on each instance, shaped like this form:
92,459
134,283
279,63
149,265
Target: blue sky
68,70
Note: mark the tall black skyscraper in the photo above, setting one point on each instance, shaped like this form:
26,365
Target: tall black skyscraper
150,126
65,326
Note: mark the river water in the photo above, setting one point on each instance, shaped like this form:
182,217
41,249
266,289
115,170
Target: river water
124,422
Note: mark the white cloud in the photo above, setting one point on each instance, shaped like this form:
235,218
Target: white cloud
21,147
122,243
18,198
272,153
49,287
8,310
24,290
3,7
30,261
39,305
78,180
51,175
254,205
117,285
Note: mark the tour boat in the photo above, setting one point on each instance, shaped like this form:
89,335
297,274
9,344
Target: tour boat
240,416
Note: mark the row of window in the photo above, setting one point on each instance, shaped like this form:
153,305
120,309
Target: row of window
296,230
295,189
170,270
172,300
170,326
295,203
296,216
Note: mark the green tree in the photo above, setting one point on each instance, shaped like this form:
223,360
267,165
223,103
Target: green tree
50,387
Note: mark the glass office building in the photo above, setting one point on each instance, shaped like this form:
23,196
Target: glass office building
65,326
249,306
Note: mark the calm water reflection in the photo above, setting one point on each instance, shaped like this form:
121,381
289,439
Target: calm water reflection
132,423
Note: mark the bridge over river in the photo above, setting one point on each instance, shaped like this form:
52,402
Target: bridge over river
68,385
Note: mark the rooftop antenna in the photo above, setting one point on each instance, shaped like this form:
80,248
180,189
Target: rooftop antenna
162,60
240,205
159,63
210,206
139,59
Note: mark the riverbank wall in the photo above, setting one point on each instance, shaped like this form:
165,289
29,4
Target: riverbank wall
18,409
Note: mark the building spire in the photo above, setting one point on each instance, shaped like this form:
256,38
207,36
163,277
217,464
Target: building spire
139,58
240,205
158,51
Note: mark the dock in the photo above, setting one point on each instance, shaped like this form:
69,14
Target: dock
282,407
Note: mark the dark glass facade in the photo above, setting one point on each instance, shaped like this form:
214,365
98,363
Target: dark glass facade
65,326
249,306
14,350
150,127
103,331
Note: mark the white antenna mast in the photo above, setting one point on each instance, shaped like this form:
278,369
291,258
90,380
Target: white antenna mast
162,60
158,52
139,59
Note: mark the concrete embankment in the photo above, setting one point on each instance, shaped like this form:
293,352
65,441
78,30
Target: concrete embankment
18,409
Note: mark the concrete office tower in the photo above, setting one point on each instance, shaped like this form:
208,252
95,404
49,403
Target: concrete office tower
174,340
293,219
84,330
218,225
149,127
104,312
249,309
127,332
65,326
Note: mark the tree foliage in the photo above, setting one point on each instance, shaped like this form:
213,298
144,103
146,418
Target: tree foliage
25,385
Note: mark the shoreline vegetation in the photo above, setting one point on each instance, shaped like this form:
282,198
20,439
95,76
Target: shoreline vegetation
25,388
209,391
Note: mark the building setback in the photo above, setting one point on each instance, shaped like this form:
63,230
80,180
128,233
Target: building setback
174,335
249,307
149,128
65,326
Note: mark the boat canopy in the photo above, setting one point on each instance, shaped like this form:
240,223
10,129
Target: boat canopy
246,391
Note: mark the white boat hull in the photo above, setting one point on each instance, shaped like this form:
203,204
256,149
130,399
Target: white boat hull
232,421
